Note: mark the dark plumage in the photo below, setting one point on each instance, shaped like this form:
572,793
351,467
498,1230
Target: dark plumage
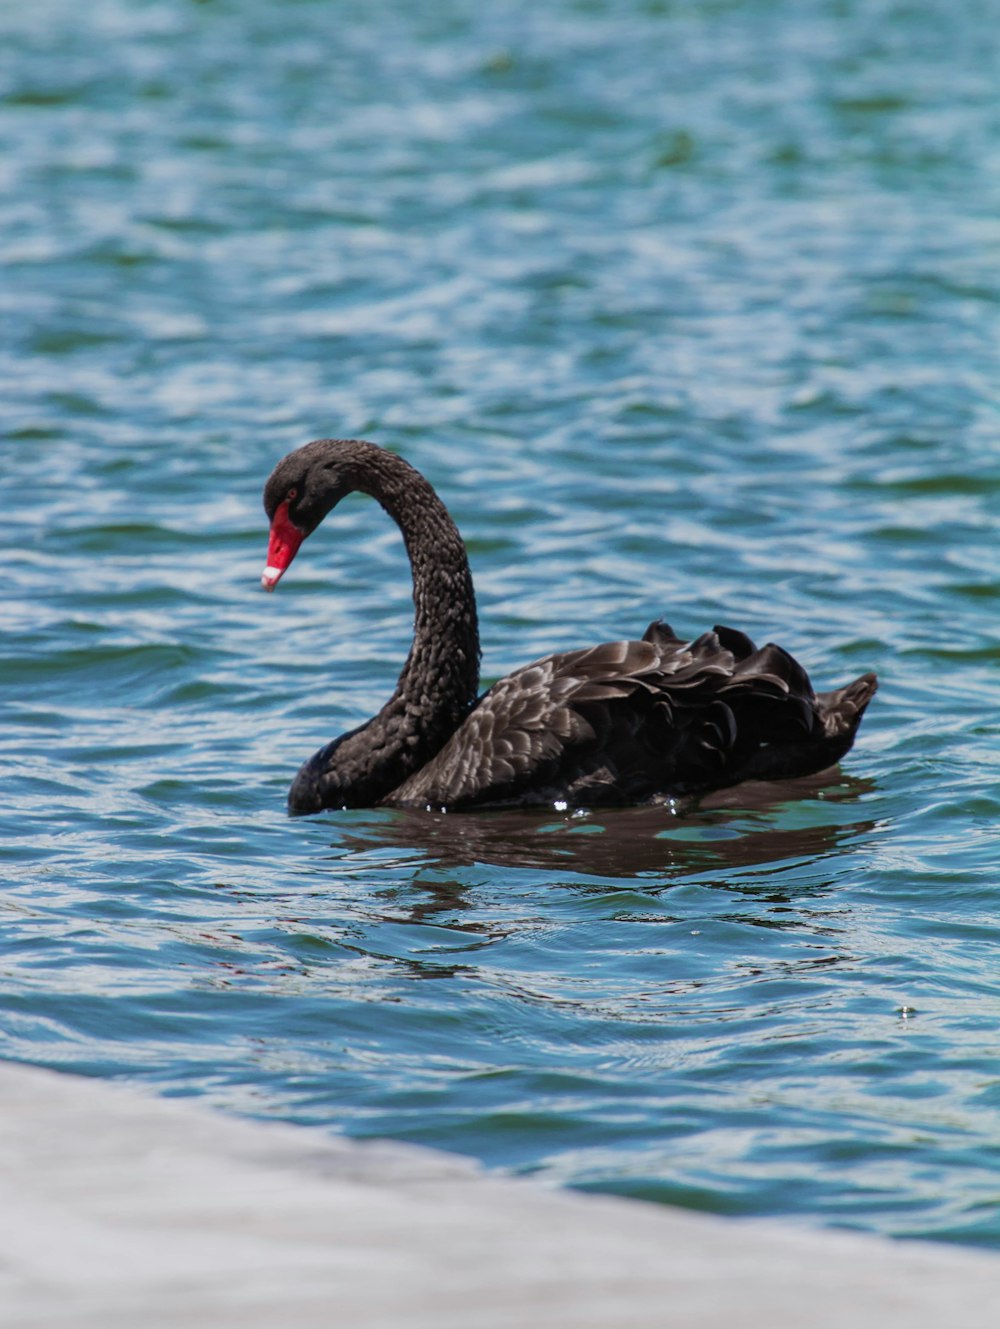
620,723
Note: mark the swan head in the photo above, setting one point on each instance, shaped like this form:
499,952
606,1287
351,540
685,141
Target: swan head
301,490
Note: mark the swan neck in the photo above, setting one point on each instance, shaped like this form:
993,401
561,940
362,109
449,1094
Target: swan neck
439,681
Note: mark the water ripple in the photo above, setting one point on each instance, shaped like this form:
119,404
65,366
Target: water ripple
709,335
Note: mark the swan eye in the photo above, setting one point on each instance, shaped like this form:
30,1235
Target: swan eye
292,494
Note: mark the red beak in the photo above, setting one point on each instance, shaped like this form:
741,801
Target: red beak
281,548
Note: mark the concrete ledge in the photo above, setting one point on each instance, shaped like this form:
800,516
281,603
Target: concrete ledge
118,1209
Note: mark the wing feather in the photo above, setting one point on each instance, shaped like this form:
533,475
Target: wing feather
639,716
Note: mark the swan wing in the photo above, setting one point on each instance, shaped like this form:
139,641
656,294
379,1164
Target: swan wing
628,721
618,722
522,729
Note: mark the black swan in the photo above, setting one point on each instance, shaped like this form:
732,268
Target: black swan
625,722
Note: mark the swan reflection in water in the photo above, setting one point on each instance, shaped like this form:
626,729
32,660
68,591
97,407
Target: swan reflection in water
651,847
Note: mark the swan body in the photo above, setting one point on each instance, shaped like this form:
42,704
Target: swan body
623,722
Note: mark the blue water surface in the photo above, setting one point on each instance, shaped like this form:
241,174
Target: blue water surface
687,307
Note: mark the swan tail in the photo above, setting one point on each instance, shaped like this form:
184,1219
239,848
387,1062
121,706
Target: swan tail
830,725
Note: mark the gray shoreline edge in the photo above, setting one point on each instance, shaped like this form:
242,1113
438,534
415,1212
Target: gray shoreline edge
120,1209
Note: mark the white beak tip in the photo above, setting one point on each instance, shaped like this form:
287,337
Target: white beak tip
270,578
